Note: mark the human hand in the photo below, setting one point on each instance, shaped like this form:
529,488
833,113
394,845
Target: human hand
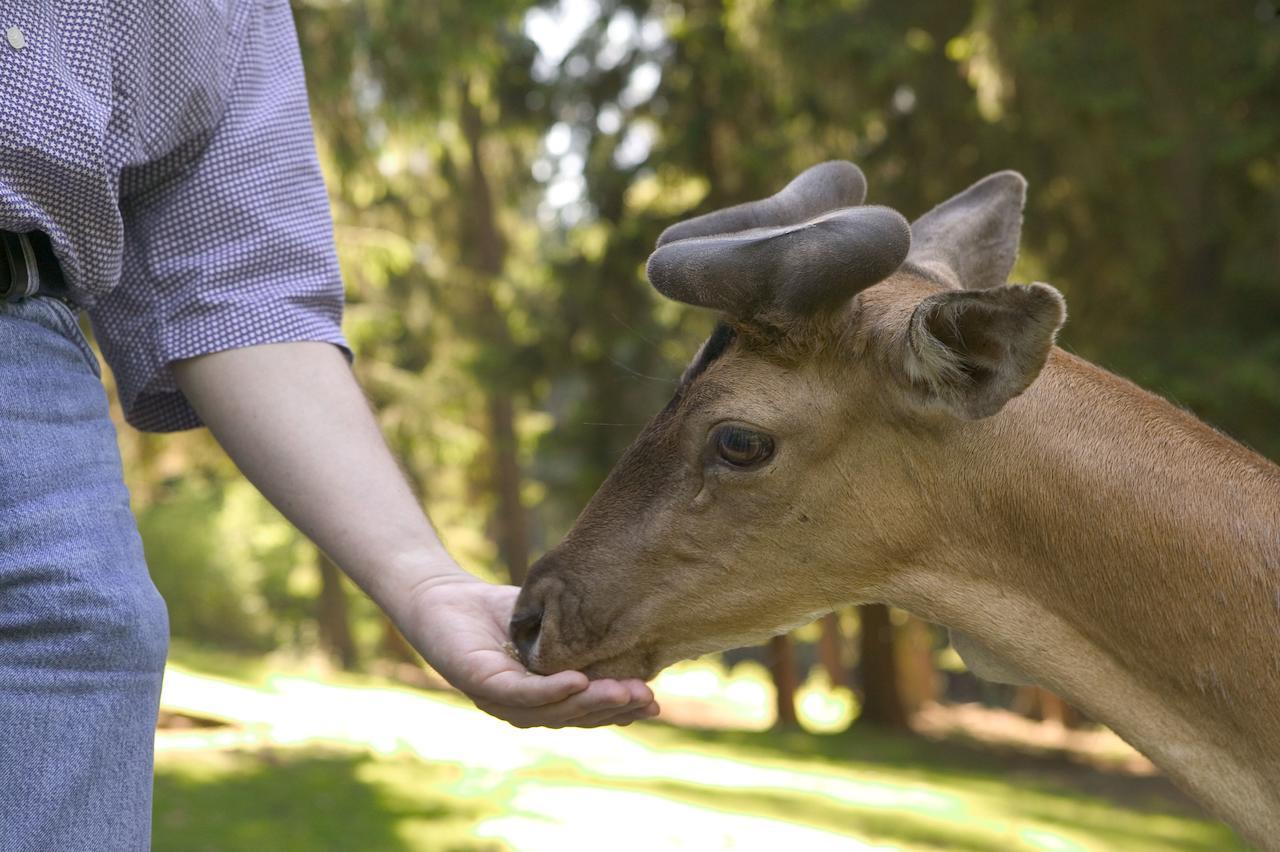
296,422
459,624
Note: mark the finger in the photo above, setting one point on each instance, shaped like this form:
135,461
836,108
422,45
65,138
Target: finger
649,711
629,715
617,711
639,690
515,687
642,707
638,713
608,697
622,716
638,695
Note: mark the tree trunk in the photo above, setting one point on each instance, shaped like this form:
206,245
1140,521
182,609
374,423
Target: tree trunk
881,702
332,615
511,520
782,665
829,644
485,252
1036,702
917,676
1026,702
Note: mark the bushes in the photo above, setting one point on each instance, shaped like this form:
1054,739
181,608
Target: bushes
233,572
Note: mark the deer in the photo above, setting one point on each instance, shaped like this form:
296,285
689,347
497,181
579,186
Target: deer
879,416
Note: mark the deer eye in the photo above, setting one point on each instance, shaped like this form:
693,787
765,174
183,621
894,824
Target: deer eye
742,447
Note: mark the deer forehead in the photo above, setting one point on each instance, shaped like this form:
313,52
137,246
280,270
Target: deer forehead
747,386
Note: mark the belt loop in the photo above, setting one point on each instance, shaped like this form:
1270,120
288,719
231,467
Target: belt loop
33,269
24,273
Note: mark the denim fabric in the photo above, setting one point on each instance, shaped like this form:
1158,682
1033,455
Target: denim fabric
83,632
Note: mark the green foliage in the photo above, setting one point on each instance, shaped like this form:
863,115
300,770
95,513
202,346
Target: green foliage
495,203
1149,135
203,597
232,571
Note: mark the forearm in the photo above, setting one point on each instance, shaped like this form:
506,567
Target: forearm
293,418
295,421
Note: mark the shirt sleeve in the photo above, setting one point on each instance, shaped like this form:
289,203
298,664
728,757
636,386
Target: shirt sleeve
234,248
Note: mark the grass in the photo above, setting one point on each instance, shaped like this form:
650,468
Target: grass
319,762
309,799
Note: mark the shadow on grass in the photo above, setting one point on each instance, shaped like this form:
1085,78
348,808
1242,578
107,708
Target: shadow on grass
960,758
268,799
1046,788
873,823
265,799
959,830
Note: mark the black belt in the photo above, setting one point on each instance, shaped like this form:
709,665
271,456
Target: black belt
28,267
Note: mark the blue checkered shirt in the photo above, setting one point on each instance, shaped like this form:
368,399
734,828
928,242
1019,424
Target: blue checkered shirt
165,148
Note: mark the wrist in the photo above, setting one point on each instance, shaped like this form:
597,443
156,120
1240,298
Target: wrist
409,575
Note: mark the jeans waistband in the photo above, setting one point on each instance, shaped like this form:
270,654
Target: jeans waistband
28,267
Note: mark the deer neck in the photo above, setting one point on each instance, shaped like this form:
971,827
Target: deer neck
1127,557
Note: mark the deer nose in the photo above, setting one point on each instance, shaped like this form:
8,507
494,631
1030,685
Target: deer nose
525,627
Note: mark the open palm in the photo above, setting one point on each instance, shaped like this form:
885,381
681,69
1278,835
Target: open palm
460,627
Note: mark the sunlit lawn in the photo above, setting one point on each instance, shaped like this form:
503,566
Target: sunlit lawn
335,762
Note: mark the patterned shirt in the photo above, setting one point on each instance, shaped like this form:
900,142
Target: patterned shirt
165,147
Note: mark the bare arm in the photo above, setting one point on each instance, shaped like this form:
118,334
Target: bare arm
292,416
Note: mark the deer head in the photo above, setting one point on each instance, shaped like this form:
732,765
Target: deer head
780,481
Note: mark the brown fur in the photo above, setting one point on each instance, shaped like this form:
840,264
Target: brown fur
1090,534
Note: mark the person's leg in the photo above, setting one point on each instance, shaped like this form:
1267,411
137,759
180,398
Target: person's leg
83,632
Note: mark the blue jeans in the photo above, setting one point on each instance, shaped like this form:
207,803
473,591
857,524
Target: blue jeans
83,632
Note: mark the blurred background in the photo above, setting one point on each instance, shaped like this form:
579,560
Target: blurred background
499,172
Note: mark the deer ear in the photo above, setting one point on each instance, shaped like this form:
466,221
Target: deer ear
974,350
971,239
